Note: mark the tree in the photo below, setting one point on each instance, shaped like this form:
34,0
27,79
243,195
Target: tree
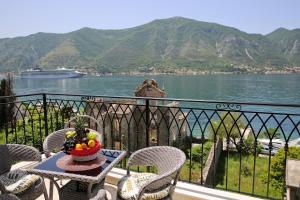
278,166
184,144
7,97
67,112
270,133
231,125
197,152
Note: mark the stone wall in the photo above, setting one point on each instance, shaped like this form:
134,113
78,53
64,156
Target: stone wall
212,163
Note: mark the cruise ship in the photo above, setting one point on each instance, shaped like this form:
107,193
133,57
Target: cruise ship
54,73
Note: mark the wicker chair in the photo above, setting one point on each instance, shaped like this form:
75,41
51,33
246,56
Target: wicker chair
11,153
168,162
54,142
8,197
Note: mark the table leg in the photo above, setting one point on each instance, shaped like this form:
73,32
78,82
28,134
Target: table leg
89,190
53,182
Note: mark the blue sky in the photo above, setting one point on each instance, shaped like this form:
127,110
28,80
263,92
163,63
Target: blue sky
24,17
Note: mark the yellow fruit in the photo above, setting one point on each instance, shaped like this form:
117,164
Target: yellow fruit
78,147
91,143
92,136
84,146
70,134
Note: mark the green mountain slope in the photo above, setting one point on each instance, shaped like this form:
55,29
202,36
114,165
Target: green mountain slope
23,52
288,41
164,44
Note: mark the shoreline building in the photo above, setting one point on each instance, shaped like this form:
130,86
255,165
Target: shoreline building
125,122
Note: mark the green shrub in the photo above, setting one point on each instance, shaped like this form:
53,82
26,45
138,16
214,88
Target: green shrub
197,153
184,144
278,166
246,170
247,146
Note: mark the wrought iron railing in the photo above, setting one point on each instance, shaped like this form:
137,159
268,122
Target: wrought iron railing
229,145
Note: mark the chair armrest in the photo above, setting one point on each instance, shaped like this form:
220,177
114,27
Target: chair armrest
19,152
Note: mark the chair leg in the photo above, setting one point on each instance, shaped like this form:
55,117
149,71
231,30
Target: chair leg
169,197
51,190
46,194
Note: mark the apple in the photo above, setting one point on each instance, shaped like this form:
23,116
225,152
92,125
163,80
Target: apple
92,136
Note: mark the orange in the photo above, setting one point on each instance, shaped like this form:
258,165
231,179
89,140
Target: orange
78,147
84,146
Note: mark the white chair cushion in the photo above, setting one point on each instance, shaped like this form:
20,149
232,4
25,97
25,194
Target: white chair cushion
18,181
128,187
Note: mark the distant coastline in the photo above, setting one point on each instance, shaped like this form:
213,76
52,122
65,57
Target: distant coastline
267,70
188,71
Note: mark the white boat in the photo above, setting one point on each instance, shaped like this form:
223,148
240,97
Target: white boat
55,73
294,143
266,150
276,145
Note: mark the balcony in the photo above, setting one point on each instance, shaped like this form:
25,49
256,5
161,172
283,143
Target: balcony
231,147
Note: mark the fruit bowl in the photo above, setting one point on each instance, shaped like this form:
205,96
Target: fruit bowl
82,144
85,154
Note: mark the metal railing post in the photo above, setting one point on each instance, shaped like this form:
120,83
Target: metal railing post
147,122
147,126
45,114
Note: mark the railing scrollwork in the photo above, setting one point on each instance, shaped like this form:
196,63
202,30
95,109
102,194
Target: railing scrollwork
88,98
228,106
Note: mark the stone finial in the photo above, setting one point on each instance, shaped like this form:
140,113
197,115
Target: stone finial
149,88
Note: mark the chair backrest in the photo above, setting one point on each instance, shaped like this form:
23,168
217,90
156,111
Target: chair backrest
5,165
168,161
10,153
55,141
164,158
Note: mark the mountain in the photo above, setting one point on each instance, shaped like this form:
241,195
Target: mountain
164,44
288,41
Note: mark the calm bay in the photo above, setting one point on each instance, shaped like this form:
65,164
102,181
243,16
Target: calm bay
279,88
243,88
